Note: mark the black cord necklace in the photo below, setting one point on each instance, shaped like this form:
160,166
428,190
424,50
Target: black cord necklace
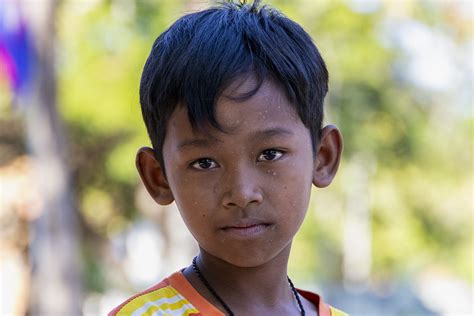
226,307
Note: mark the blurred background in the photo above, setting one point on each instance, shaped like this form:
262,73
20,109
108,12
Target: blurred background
392,236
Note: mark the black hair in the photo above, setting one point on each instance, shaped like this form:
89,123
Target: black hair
197,57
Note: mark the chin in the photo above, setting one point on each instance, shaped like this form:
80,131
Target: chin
254,259
250,262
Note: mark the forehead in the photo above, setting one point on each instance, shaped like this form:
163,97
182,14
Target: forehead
238,113
269,103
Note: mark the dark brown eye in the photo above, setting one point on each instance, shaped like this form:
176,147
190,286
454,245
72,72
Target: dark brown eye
204,163
270,155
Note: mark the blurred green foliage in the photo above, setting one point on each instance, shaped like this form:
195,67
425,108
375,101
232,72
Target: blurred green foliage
418,153
419,190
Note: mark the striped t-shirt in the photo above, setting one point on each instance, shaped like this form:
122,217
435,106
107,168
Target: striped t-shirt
175,296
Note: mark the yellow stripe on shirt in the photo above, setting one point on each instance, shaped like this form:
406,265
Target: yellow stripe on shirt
336,312
166,299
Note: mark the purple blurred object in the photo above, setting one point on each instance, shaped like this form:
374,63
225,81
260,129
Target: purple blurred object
16,47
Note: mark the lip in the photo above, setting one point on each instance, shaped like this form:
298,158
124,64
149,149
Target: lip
246,228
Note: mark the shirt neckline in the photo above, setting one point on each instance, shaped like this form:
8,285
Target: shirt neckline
178,281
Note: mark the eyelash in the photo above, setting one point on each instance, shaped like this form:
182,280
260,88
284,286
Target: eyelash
274,151
198,164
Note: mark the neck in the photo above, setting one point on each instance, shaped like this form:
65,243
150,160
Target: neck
265,285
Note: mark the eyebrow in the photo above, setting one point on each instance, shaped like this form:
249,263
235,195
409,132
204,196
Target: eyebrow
208,142
273,132
197,142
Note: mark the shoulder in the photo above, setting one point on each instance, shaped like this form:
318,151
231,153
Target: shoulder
160,297
322,308
336,312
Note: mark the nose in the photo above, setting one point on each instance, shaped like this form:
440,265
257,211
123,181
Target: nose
241,188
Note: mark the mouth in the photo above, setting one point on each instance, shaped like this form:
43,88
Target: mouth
246,228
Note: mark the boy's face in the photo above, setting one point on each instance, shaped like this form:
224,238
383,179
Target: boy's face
242,193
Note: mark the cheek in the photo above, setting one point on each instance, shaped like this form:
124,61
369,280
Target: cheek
290,192
293,177
195,198
186,189
194,210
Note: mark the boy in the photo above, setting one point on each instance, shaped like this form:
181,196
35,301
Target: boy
232,98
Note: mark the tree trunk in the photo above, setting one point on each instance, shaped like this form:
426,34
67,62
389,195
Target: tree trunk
54,247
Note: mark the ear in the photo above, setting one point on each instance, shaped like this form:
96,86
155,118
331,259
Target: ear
153,176
328,156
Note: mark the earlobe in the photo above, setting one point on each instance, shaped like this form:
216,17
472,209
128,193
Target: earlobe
328,156
153,176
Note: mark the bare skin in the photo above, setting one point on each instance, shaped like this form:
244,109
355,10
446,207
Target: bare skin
243,194
261,296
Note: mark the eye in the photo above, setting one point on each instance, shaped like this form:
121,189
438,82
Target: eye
270,155
204,164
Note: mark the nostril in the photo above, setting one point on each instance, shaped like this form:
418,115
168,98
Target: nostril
240,187
238,199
